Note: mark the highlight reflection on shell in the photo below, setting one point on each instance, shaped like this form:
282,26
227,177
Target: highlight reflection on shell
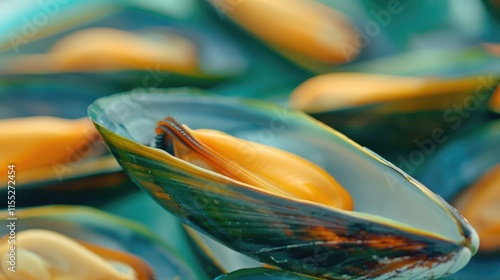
398,227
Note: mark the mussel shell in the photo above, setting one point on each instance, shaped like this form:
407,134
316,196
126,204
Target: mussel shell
393,131
99,228
391,128
218,58
287,232
334,26
457,166
163,224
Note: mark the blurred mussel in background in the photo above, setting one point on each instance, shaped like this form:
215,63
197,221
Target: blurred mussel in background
86,243
56,151
415,82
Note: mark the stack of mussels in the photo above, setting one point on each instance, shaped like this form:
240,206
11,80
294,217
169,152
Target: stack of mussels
263,139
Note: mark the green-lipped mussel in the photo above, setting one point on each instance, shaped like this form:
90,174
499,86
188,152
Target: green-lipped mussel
393,114
308,33
148,53
155,52
74,242
398,228
78,170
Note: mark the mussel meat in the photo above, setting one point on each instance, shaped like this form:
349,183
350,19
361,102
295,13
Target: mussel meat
345,90
24,140
253,163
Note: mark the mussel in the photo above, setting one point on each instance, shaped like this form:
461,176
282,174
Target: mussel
24,140
66,258
150,57
37,116
394,115
74,242
308,33
398,228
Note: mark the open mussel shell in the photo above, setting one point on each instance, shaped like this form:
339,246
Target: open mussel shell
154,52
454,169
398,227
307,33
105,230
396,127
89,174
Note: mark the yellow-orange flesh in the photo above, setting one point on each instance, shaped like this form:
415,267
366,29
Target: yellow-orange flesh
268,168
480,205
305,27
343,90
35,142
105,49
46,255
